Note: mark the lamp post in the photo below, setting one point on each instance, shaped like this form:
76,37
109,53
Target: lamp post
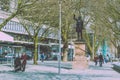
93,45
92,33
59,56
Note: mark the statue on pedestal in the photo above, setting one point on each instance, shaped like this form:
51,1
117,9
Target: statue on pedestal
79,27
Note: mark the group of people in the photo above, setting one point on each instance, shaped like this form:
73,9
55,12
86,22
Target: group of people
100,59
20,63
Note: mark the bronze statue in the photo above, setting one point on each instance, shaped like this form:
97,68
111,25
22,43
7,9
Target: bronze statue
79,27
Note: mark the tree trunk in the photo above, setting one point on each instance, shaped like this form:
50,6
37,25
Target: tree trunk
65,52
65,56
35,50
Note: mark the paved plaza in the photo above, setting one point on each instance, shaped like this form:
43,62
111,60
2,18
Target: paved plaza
48,71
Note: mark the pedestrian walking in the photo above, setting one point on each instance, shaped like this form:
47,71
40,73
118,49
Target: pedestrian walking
42,56
96,60
17,64
23,61
101,59
88,58
107,58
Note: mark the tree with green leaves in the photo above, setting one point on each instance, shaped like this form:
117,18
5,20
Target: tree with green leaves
37,20
105,22
112,22
36,17
94,12
67,21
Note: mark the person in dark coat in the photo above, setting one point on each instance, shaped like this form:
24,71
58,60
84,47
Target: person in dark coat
23,61
42,56
100,59
96,60
17,64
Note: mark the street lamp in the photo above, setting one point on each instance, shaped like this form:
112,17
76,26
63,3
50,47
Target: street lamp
92,33
59,59
93,45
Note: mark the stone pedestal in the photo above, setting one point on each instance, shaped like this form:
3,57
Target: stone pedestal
80,60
